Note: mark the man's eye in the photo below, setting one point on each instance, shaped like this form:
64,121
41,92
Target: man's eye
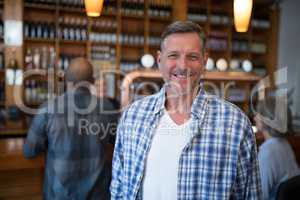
172,56
193,57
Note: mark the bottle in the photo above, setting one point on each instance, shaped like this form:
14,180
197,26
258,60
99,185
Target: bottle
52,58
45,31
28,60
32,28
44,59
39,31
26,30
51,31
12,66
36,59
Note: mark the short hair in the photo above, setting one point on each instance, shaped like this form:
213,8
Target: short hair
79,70
184,27
267,108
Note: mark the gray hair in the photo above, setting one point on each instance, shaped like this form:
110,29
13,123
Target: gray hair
266,108
184,27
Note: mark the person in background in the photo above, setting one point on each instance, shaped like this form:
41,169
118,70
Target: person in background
181,143
73,129
276,158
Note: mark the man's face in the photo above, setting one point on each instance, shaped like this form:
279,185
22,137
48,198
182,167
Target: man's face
181,61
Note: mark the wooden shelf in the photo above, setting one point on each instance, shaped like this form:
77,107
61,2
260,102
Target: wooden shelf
73,42
70,9
162,19
11,132
132,45
128,16
215,75
103,44
37,40
231,76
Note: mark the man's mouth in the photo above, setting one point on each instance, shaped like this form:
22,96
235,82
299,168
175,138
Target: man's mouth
182,75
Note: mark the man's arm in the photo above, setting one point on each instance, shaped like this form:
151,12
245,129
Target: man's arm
248,183
116,189
36,140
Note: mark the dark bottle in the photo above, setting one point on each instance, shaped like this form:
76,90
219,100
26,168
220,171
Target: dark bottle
32,30
39,30
26,30
45,31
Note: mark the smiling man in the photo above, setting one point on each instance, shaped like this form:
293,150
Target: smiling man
182,143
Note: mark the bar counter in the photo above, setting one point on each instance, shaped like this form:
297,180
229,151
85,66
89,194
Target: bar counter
21,178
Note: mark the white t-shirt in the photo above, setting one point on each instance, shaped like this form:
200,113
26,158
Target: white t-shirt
161,172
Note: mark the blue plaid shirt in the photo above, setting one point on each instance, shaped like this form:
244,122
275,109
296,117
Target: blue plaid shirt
219,162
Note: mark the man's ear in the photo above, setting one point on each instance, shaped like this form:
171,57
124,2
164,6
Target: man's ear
158,58
205,57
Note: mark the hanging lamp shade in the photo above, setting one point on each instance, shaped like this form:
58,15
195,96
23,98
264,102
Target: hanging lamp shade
93,7
242,13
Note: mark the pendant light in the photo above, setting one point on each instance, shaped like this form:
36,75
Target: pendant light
242,13
93,7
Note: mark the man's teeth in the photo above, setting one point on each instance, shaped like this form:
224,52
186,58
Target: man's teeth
182,75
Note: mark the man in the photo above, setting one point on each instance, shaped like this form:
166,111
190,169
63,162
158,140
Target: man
73,128
276,158
181,143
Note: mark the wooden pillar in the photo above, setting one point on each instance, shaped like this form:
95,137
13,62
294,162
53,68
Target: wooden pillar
180,10
13,10
146,27
272,44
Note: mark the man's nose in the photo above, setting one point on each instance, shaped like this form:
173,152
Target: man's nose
182,62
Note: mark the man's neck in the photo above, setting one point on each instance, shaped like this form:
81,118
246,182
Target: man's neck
179,106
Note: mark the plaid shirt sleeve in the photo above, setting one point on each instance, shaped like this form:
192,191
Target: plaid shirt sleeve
36,141
117,167
248,184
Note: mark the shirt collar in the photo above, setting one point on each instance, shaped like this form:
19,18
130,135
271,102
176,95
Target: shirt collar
199,105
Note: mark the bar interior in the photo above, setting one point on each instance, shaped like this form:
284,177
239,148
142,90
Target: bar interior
40,38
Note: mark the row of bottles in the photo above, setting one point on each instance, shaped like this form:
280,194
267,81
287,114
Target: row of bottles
214,19
104,23
131,8
36,92
72,3
65,3
216,44
40,58
125,39
103,53
225,20
73,20
72,33
39,30
43,2
245,46
156,8
73,28
127,66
